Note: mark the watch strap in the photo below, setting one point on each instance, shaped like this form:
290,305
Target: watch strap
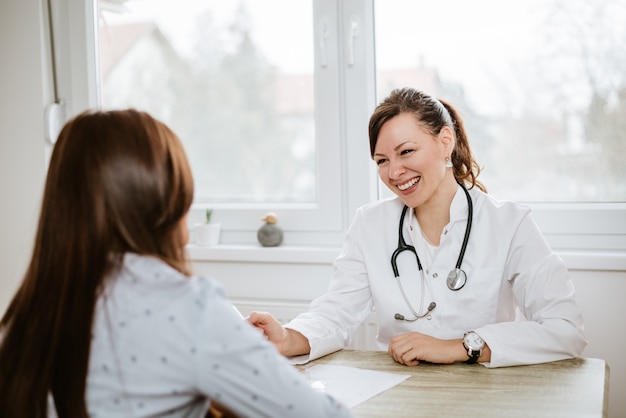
472,353
473,357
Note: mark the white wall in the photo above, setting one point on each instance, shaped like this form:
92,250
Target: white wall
25,92
601,298
22,145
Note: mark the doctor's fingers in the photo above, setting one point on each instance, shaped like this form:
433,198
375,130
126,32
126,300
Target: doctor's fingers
265,321
408,357
259,318
402,352
406,341
267,324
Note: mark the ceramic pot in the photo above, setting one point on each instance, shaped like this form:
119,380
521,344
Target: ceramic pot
208,234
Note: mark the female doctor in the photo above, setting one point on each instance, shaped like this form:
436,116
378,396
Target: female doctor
453,274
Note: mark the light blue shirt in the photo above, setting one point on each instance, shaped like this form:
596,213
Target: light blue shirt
165,345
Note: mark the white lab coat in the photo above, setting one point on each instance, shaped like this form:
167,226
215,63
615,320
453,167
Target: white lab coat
508,263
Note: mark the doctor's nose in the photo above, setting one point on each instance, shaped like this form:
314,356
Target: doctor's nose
396,170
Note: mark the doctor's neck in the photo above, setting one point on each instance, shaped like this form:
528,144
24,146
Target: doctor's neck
434,214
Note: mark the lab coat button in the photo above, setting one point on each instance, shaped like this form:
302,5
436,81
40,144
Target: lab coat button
435,275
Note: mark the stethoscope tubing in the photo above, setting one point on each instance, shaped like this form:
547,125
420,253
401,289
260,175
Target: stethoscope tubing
403,246
468,228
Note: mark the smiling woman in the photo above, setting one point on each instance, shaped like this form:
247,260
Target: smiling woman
423,156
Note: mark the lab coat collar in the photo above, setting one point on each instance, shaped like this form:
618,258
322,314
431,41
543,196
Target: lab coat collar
458,207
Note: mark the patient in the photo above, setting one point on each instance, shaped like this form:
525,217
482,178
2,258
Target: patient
109,321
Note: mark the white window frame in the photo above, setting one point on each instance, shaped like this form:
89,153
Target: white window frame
341,146
347,177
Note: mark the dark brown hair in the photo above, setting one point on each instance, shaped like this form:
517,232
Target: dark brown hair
118,182
432,115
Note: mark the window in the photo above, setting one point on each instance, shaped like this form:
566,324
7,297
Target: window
234,82
240,88
272,99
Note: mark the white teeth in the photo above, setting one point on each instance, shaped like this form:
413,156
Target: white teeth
408,183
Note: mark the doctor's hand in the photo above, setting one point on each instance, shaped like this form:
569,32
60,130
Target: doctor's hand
270,326
411,348
287,341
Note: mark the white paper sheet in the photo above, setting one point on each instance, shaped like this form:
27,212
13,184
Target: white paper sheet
351,385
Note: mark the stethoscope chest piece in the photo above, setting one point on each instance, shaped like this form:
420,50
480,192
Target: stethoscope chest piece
456,279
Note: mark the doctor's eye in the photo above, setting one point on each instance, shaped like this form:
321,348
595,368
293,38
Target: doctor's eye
407,151
381,161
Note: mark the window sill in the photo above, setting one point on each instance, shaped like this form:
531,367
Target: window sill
256,253
575,260
594,260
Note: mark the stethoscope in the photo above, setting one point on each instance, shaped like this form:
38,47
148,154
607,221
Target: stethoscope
456,278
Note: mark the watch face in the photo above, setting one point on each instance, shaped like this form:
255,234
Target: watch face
473,340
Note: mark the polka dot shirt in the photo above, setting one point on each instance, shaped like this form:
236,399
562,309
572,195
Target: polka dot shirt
165,345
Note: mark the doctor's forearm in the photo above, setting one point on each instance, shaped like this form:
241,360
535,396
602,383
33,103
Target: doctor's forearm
485,356
295,344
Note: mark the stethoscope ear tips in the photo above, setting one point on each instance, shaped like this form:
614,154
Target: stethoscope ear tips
401,317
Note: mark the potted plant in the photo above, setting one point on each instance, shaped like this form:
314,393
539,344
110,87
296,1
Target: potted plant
208,233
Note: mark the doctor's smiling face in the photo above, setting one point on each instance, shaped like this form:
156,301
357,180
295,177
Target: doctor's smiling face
411,161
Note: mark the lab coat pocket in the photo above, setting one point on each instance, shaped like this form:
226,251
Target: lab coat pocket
475,304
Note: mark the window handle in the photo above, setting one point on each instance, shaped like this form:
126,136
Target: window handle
354,32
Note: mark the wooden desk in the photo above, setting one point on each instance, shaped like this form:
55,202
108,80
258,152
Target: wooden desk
568,388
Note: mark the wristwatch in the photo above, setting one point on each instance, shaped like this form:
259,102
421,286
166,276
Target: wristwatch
474,346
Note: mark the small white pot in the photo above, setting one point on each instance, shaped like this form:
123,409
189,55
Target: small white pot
208,234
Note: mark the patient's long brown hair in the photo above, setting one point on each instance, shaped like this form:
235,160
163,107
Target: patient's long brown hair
118,181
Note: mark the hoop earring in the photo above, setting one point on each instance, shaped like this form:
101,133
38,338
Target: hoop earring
448,162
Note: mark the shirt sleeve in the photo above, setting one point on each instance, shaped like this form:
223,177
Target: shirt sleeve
239,368
552,327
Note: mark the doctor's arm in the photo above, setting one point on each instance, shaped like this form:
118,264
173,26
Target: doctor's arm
411,348
552,328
